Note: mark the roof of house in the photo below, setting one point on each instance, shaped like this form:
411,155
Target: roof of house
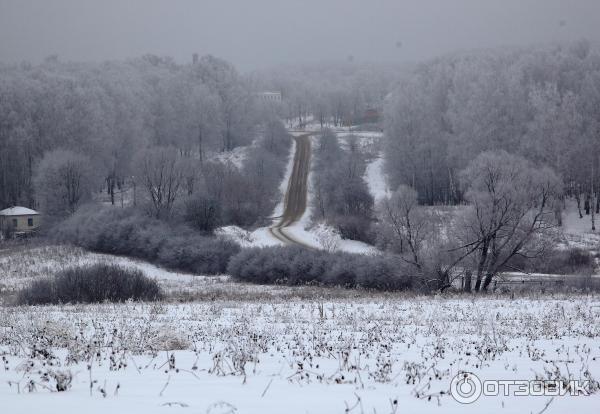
18,211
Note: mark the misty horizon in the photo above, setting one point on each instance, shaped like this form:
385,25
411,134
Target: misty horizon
268,33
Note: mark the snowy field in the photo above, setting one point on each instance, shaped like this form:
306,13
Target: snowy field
237,348
366,356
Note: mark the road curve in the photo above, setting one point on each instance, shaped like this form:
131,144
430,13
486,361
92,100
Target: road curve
294,204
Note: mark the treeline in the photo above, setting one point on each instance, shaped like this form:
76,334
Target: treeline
341,196
145,131
541,102
333,93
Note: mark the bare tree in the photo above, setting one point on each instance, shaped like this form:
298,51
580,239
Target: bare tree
162,174
511,207
412,226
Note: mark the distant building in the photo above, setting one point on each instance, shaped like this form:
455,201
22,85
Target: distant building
270,97
371,116
19,221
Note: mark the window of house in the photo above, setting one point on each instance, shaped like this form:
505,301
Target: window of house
15,222
30,222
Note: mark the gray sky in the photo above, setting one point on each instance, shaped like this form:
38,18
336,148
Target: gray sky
259,33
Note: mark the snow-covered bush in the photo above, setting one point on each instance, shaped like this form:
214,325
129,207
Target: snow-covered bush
125,232
328,237
299,266
91,284
557,261
200,255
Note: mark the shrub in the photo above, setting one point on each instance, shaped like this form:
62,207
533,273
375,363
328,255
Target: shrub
203,212
354,228
299,266
125,232
91,284
196,254
573,261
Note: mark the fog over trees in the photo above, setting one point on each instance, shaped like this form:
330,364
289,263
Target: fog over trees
482,152
539,102
332,93
146,122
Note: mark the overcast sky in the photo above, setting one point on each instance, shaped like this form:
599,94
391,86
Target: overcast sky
259,33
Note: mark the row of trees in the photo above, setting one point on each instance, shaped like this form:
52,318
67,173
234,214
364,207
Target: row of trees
341,196
168,185
58,115
540,102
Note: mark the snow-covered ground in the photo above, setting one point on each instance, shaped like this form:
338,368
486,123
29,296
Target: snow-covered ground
367,355
235,156
375,178
578,231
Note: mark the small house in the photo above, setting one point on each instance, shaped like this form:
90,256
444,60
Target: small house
19,221
274,97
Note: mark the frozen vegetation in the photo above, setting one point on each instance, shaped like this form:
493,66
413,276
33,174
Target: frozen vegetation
253,348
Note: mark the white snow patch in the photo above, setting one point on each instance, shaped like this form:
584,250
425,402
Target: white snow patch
260,237
375,178
577,232
237,156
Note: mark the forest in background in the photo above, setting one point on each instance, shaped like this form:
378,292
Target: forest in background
540,102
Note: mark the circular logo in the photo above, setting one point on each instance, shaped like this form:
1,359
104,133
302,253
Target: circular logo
466,388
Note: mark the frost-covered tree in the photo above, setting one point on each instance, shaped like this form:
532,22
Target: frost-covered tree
63,181
412,226
162,175
539,102
341,195
510,209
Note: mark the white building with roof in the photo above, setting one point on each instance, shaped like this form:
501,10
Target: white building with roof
19,220
274,97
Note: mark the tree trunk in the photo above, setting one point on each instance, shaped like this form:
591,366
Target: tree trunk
578,199
467,281
593,213
586,205
488,279
480,266
478,282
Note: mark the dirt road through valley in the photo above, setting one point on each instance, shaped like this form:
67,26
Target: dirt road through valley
295,199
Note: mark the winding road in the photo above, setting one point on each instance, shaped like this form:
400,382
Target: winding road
295,200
